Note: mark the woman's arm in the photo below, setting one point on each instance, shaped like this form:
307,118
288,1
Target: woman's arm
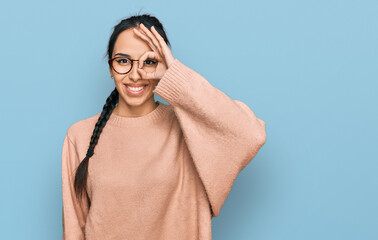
222,134
74,216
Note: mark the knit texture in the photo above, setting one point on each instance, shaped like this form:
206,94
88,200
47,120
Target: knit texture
163,175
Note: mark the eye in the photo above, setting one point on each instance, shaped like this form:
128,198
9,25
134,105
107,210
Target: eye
150,62
122,60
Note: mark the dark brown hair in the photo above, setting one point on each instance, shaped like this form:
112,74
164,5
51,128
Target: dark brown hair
81,175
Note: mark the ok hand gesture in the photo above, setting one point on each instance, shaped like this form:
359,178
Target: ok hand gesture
161,53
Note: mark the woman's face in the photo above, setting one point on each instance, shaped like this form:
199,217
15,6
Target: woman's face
129,43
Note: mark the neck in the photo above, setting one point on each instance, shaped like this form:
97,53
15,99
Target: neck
126,110
154,117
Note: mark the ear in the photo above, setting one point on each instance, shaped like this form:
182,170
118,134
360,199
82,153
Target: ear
111,72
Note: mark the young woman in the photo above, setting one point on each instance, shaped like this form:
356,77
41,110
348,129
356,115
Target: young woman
142,169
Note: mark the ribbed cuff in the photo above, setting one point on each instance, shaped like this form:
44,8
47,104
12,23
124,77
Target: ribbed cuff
174,83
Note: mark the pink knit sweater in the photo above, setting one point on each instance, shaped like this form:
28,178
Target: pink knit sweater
163,175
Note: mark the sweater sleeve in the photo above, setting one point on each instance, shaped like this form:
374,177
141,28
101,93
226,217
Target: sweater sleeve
222,134
74,216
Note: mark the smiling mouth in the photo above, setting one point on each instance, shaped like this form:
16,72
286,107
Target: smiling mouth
136,85
135,90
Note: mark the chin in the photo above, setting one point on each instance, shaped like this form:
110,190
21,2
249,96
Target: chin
136,101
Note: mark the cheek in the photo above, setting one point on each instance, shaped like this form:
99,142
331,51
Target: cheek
153,84
117,82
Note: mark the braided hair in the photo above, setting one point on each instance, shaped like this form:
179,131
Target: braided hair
81,175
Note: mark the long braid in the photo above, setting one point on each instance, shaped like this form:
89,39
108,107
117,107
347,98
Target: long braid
82,170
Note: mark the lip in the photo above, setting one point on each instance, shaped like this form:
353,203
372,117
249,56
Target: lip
133,94
135,85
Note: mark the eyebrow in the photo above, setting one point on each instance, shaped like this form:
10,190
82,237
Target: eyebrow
122,54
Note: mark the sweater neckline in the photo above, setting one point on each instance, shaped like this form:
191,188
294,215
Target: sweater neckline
152,117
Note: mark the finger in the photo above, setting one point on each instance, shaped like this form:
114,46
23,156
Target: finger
148,54
151,36
146,75
163,45
145,38
158,37
142,73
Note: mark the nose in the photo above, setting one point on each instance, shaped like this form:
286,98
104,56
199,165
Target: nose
134,74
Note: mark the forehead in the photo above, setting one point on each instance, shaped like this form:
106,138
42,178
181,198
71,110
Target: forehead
129,43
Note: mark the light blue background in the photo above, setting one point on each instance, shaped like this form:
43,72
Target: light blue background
309,69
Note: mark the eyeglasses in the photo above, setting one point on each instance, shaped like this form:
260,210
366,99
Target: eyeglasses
123,65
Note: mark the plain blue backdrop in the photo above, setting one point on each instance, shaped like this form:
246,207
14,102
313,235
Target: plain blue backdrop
309,69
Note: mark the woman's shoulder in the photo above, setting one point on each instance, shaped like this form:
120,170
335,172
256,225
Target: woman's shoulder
82,128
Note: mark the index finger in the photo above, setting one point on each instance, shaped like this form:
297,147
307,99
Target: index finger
148,54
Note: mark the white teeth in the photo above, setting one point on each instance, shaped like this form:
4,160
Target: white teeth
135,89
